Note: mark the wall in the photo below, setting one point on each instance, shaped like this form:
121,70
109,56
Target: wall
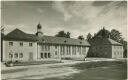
117,51
100,50
16,48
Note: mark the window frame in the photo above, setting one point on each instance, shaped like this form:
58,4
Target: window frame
16,55
10,43
20,56
21,43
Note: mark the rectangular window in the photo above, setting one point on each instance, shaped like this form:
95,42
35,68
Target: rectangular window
42,47
21,55
49,55
21,43
55,52
45,47
10,55
41,55
74,50
30,44
10,43
48,47
16,55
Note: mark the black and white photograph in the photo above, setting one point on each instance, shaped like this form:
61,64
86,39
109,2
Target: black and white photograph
63,40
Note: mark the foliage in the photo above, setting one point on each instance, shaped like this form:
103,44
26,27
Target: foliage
81,37
63,34
89,36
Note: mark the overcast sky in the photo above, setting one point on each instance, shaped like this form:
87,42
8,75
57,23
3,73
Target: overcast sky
77,17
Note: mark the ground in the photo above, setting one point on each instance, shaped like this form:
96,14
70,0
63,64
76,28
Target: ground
89,70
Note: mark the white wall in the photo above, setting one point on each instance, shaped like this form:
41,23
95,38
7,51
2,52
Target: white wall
16,48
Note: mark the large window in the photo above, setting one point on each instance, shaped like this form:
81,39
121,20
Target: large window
74,50
43,47
10,43
21,55
62,49
21,43
49,55
42,55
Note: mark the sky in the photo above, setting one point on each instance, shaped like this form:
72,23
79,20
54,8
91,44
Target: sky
77,17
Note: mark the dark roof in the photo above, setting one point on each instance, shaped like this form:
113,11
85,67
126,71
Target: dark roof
18,35
101,40
63,40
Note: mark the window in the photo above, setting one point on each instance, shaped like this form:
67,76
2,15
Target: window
48,47
16,55
42,55
55,52
21,55
30,44
45,55
45,47
10,55
74,50
10,43
49,55
42,47
21,43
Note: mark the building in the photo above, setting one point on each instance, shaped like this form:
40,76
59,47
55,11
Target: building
104,47
21,46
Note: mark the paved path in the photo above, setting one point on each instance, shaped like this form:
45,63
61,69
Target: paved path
45,70
64,62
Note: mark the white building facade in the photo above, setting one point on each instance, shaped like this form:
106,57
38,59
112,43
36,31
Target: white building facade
20,46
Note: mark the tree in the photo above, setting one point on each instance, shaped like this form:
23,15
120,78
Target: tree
89,36
81,37
116,35
63,34
68,35
102,33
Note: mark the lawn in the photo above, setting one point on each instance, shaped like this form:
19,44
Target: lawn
104,70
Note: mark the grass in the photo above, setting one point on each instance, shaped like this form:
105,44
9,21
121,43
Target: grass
34,63
103,70
13,70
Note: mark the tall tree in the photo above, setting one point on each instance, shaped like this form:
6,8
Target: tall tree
81,37
68,35
116,35
89,36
